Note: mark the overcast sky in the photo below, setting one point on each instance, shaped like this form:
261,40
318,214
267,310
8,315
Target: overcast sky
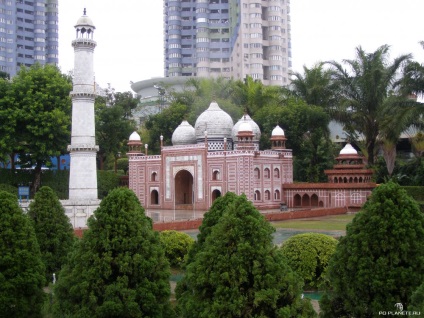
129,34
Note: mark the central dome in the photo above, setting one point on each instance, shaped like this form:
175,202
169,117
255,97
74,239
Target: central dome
216,122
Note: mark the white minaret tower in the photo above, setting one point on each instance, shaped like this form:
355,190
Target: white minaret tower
83,148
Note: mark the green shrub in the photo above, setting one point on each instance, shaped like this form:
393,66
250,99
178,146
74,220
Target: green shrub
308,254
415,191
106,181
123,164
176,245
9,188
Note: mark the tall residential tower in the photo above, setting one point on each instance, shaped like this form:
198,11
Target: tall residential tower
228,38
28,33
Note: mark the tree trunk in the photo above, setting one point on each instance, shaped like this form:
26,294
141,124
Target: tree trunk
389,154
37,178
371,152
12,161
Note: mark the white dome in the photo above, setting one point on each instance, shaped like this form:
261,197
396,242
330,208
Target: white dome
246,119
135,137
215,121
85,21
277,131
245,126
348,150
184,134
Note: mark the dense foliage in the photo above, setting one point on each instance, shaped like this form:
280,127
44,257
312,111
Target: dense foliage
57,180
21,268
308,254
118,269
36,112
238,272
380,261
368,105
176,245
306,129
113,124
53,230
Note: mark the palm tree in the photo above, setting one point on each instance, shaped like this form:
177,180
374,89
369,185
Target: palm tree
314,86
365,95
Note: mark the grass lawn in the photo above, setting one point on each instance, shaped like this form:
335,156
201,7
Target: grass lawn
324,223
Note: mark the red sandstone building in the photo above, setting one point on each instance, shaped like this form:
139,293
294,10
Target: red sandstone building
216,156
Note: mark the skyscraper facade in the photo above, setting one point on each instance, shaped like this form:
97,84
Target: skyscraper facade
228,38
28,33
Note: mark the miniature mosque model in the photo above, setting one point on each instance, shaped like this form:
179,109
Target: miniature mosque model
217,156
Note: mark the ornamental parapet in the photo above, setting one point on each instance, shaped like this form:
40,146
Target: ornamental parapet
142,157
83,147
84,42
193,146
83,90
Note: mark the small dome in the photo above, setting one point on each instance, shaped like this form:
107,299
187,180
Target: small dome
135,137
84,21
245,126
215,121
255,127
277,131
184,134
348,150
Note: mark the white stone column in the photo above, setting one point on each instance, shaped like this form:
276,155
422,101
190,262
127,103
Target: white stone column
83,148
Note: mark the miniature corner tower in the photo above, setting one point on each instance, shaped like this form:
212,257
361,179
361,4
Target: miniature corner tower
83,148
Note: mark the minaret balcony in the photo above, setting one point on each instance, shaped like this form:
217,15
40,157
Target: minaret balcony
83,147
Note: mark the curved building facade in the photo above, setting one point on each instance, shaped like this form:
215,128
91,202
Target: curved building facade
228,38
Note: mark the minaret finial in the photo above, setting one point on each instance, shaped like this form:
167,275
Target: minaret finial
85,11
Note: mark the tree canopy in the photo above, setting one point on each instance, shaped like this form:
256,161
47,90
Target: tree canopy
53,230
118,269
21,268
36,108
238,272
380,261
113,124
365,92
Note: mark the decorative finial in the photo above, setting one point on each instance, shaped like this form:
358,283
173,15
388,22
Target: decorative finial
85,11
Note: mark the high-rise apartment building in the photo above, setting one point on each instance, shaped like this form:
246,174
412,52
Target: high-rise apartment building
228,38
28,33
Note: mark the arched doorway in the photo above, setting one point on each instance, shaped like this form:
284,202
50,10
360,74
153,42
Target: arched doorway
305,200
297,200
183,187
154,197
215,194
314,200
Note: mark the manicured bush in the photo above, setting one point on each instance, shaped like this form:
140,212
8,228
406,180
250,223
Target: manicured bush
118,268
21,268
380,261
308,254
176,245
53,230
236,271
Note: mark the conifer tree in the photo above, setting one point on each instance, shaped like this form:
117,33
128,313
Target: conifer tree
118,269
380,261
21,268
238,272
53,230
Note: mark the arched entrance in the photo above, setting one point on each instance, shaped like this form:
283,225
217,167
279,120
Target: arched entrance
183,188
215,194
154,197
